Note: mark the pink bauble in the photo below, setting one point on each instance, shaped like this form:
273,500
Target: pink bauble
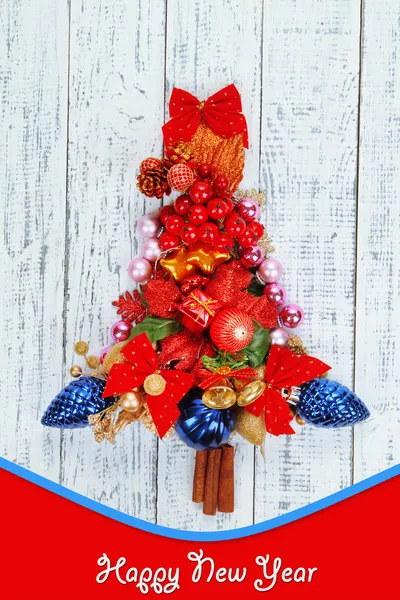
139,269
248,209
251,257
291,316
121,330
104,353
279,337
270,270
148,226
275,293
151,249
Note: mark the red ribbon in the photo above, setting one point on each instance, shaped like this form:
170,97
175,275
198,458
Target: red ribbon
243,374
284,371
142,362
222,113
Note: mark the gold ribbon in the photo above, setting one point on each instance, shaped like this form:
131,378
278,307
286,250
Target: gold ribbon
205,306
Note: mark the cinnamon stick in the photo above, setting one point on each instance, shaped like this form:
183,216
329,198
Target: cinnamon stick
210,489
226,494
199,478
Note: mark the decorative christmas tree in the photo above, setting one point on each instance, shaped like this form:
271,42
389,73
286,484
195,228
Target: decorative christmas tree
204,348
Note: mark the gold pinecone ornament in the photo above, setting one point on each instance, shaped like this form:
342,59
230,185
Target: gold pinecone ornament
153,183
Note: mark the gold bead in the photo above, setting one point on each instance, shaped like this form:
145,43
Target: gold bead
93,361
219,397
300,421
81,348
131,402
75,371
154,384
251,392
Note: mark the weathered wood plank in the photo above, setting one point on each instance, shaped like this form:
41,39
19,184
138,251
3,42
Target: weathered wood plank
209,45
309,152
378,265
33,116
116,108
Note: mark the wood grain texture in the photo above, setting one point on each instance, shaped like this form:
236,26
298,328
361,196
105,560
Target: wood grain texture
378,266
209,45
33,115
309,166
116,110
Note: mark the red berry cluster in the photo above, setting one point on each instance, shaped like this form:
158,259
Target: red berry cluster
193,216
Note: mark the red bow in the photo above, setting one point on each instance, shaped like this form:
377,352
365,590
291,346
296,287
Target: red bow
222,112
142,362
284,371
242,374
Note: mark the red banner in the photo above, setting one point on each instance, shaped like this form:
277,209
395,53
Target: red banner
54,548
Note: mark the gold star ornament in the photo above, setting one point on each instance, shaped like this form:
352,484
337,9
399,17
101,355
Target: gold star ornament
206,257
177,265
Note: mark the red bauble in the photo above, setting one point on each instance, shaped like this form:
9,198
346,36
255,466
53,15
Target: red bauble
229,204
231,330
217,209
248,238
204,170
174,224
258,229
221,183
168,241
182,205
224,242
200,192
208,232
189,234
235,225
180,177
165,212
198,214
150,164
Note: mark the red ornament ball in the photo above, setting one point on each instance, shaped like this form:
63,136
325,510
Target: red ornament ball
224,242
208,232
248,238
180,177
231,330
150,164
258,229
174,224
235,225
229,204
197,214
200,192
182,205
165,212
221,183
189,234
217,209
168,241
205,170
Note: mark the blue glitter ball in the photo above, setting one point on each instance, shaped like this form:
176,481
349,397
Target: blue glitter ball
327,403
73,405
201,427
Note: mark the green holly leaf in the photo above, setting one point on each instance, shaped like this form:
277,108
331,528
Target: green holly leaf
255,288
156,328
258,348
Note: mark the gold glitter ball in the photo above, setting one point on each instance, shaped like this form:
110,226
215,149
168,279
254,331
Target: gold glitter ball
75,371
93,361
250,427
295,345
154,384
81,348
114,357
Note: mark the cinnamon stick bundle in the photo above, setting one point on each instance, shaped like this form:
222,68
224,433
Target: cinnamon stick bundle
226,494
199,479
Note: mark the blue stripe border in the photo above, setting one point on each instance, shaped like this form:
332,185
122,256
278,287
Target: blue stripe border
198,536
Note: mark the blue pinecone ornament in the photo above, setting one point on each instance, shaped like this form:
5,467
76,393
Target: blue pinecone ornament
76,402
326,403
201,427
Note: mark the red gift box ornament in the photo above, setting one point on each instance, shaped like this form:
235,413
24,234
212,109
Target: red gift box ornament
164,387
197,311
284,371
222,112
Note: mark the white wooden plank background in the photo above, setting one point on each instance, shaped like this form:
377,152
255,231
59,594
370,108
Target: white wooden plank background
84,90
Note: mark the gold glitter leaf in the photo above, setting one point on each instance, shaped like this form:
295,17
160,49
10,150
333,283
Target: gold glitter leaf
114,356
250,427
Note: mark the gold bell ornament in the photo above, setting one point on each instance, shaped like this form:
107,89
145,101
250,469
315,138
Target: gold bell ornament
251,392
220,396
